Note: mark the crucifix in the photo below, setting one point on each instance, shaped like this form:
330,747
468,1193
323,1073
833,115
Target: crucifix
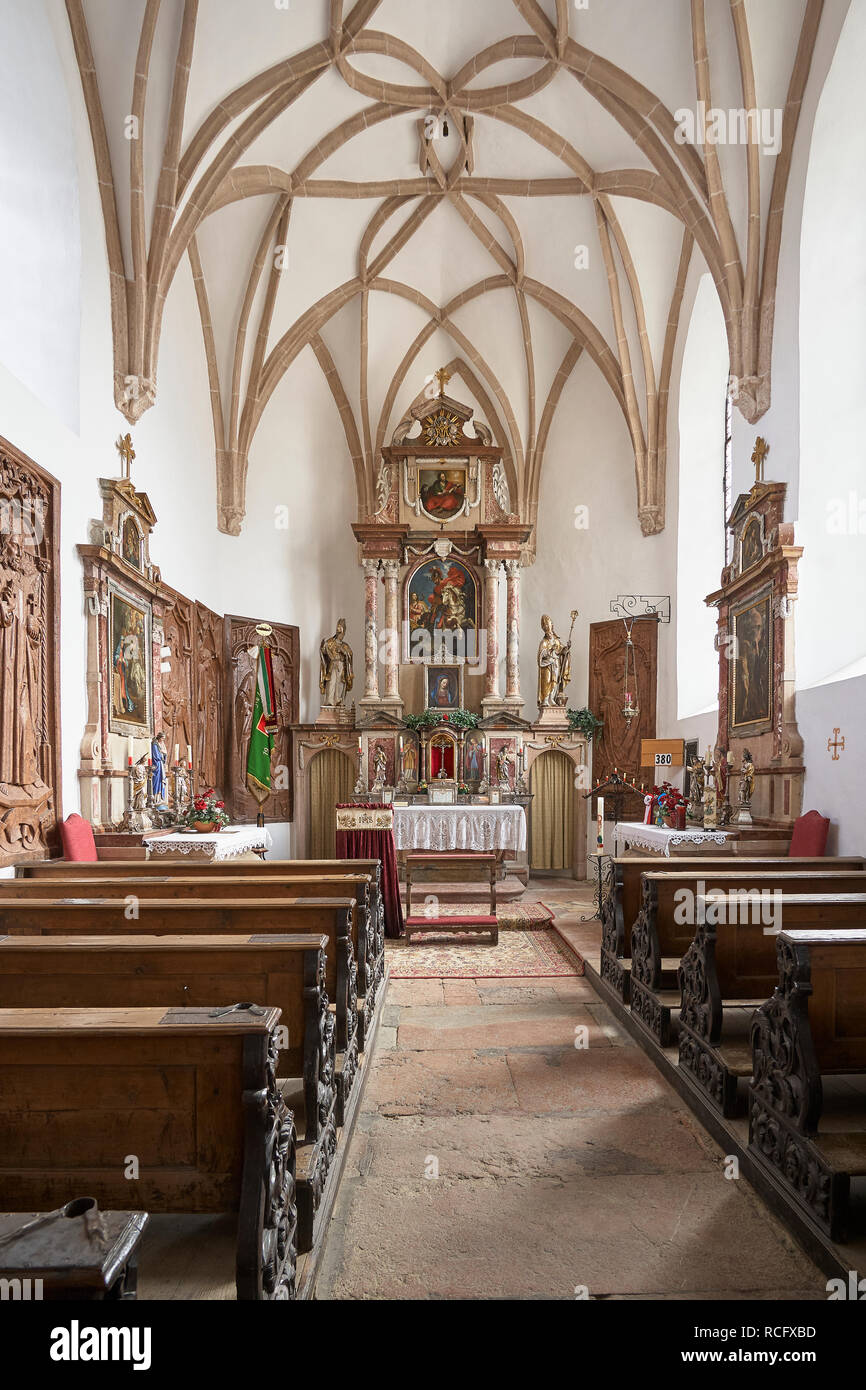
761,451
442,376
127,453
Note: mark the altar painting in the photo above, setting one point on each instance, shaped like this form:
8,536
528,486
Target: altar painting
473,757
752,667
444,687
441,603
131,658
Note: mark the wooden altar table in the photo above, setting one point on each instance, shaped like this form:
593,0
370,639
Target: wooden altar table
234,842
446,829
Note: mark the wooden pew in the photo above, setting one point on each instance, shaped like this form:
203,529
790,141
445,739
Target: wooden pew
369,953
665,926
371,969
286,972
813,1026
621,897
729,969
159,1110
330,917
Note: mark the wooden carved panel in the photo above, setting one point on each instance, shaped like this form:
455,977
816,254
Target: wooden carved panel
618,744
178,709
240,638
210,720
29,657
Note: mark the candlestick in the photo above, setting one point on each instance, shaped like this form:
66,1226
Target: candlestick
600,825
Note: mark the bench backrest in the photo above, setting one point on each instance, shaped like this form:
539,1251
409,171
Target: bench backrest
143,868
675,894
746,934
169,971
628,870
84,1088
329,917
836,962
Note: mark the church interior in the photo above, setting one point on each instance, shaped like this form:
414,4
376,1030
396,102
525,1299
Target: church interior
432,649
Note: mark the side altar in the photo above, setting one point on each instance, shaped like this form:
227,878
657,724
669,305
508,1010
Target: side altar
434,719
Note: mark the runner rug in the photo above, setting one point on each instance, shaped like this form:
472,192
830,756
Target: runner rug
536,953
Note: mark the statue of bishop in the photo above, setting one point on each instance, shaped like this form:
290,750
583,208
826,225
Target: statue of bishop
335,667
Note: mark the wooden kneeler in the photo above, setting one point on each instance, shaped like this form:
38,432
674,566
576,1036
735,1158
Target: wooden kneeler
464,924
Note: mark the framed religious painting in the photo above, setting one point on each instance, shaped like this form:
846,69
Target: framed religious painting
442,491
130,542
441,605
130,653
751,669
443,687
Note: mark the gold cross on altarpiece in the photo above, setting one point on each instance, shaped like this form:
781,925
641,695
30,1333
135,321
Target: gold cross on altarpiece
127,453
443,376
761,451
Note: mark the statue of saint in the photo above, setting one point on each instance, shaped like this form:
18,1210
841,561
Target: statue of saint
503,761
747,779
554,666
335,666
139,784
159,755
380,768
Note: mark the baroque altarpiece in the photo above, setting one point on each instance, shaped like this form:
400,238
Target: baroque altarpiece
443,541
158,661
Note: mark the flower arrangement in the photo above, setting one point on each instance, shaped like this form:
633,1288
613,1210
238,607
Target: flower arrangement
584,721
430,718
666,800
207,811
462,789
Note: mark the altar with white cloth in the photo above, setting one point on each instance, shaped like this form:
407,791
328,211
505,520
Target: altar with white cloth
660,839
232,842
444,829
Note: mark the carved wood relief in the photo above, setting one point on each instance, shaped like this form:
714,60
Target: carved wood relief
29,657
178,683
240,637
209,751
618,744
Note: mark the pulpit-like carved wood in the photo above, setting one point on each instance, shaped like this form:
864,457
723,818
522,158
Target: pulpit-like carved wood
241,639
178,683
29,657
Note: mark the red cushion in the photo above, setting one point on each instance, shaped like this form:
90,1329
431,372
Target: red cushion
809,839
78,842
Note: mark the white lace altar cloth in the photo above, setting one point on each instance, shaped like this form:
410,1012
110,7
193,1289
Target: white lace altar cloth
659,839
443,828
230,843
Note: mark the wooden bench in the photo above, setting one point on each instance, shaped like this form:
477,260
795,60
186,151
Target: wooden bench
371,970
159,1110
813,1026
366,940
133,916
621,897
286,972
665,926
729,969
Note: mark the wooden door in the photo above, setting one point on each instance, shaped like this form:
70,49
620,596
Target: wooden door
240,638
618,743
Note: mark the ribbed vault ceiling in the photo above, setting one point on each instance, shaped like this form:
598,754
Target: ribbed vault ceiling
298,157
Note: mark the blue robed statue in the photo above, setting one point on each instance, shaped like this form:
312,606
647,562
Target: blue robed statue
159,757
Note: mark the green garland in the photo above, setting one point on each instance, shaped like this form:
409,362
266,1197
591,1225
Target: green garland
585,721
430,718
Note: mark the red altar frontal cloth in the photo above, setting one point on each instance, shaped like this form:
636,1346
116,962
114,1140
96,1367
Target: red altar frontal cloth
368,842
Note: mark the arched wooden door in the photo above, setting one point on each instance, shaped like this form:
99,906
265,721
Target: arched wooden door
551,781
331,779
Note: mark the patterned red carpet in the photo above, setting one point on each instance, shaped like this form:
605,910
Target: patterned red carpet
535,953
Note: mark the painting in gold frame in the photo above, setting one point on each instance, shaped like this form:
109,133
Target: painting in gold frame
130,657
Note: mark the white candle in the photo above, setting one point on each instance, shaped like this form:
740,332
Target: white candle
176,752
188,756
129,748
600,830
